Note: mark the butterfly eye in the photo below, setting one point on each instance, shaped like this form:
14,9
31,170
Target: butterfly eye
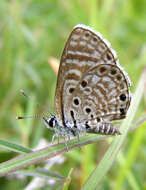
51,122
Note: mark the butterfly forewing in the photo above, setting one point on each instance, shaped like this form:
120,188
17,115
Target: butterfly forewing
91,83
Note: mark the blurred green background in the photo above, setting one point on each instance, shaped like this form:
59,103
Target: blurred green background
31,32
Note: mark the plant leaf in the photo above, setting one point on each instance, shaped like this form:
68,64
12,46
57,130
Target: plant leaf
14,147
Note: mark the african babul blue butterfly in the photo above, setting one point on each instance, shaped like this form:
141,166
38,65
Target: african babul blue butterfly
92,88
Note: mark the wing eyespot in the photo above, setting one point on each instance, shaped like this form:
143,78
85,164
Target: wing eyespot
109,57
84,83
122,97
76,101
88,110
71,90
113,72
102,69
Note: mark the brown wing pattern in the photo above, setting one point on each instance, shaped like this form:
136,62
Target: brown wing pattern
84,51
102,93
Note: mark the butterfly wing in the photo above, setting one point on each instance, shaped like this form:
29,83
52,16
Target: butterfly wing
103,93
84,51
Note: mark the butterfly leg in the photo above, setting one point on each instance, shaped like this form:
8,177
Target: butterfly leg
78,138
58,139
65,142
68,138
77,135
53,137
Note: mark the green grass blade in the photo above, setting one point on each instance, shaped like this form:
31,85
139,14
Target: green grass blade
130,176
14,147
39,173
49,173
68,180
132,153
24,160
94,14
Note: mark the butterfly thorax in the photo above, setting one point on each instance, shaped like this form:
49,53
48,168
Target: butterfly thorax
67,130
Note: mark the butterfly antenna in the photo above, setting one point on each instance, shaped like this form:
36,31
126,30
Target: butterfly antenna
29,117
24,94
29,97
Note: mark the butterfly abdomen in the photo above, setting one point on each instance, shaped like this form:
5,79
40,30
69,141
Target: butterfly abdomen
103,128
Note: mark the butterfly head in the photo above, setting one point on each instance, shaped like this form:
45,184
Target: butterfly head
50,122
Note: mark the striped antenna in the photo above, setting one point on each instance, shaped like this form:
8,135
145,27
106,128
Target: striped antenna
29,117
29,97
34,116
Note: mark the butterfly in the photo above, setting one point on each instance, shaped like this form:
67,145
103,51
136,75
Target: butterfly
92,88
